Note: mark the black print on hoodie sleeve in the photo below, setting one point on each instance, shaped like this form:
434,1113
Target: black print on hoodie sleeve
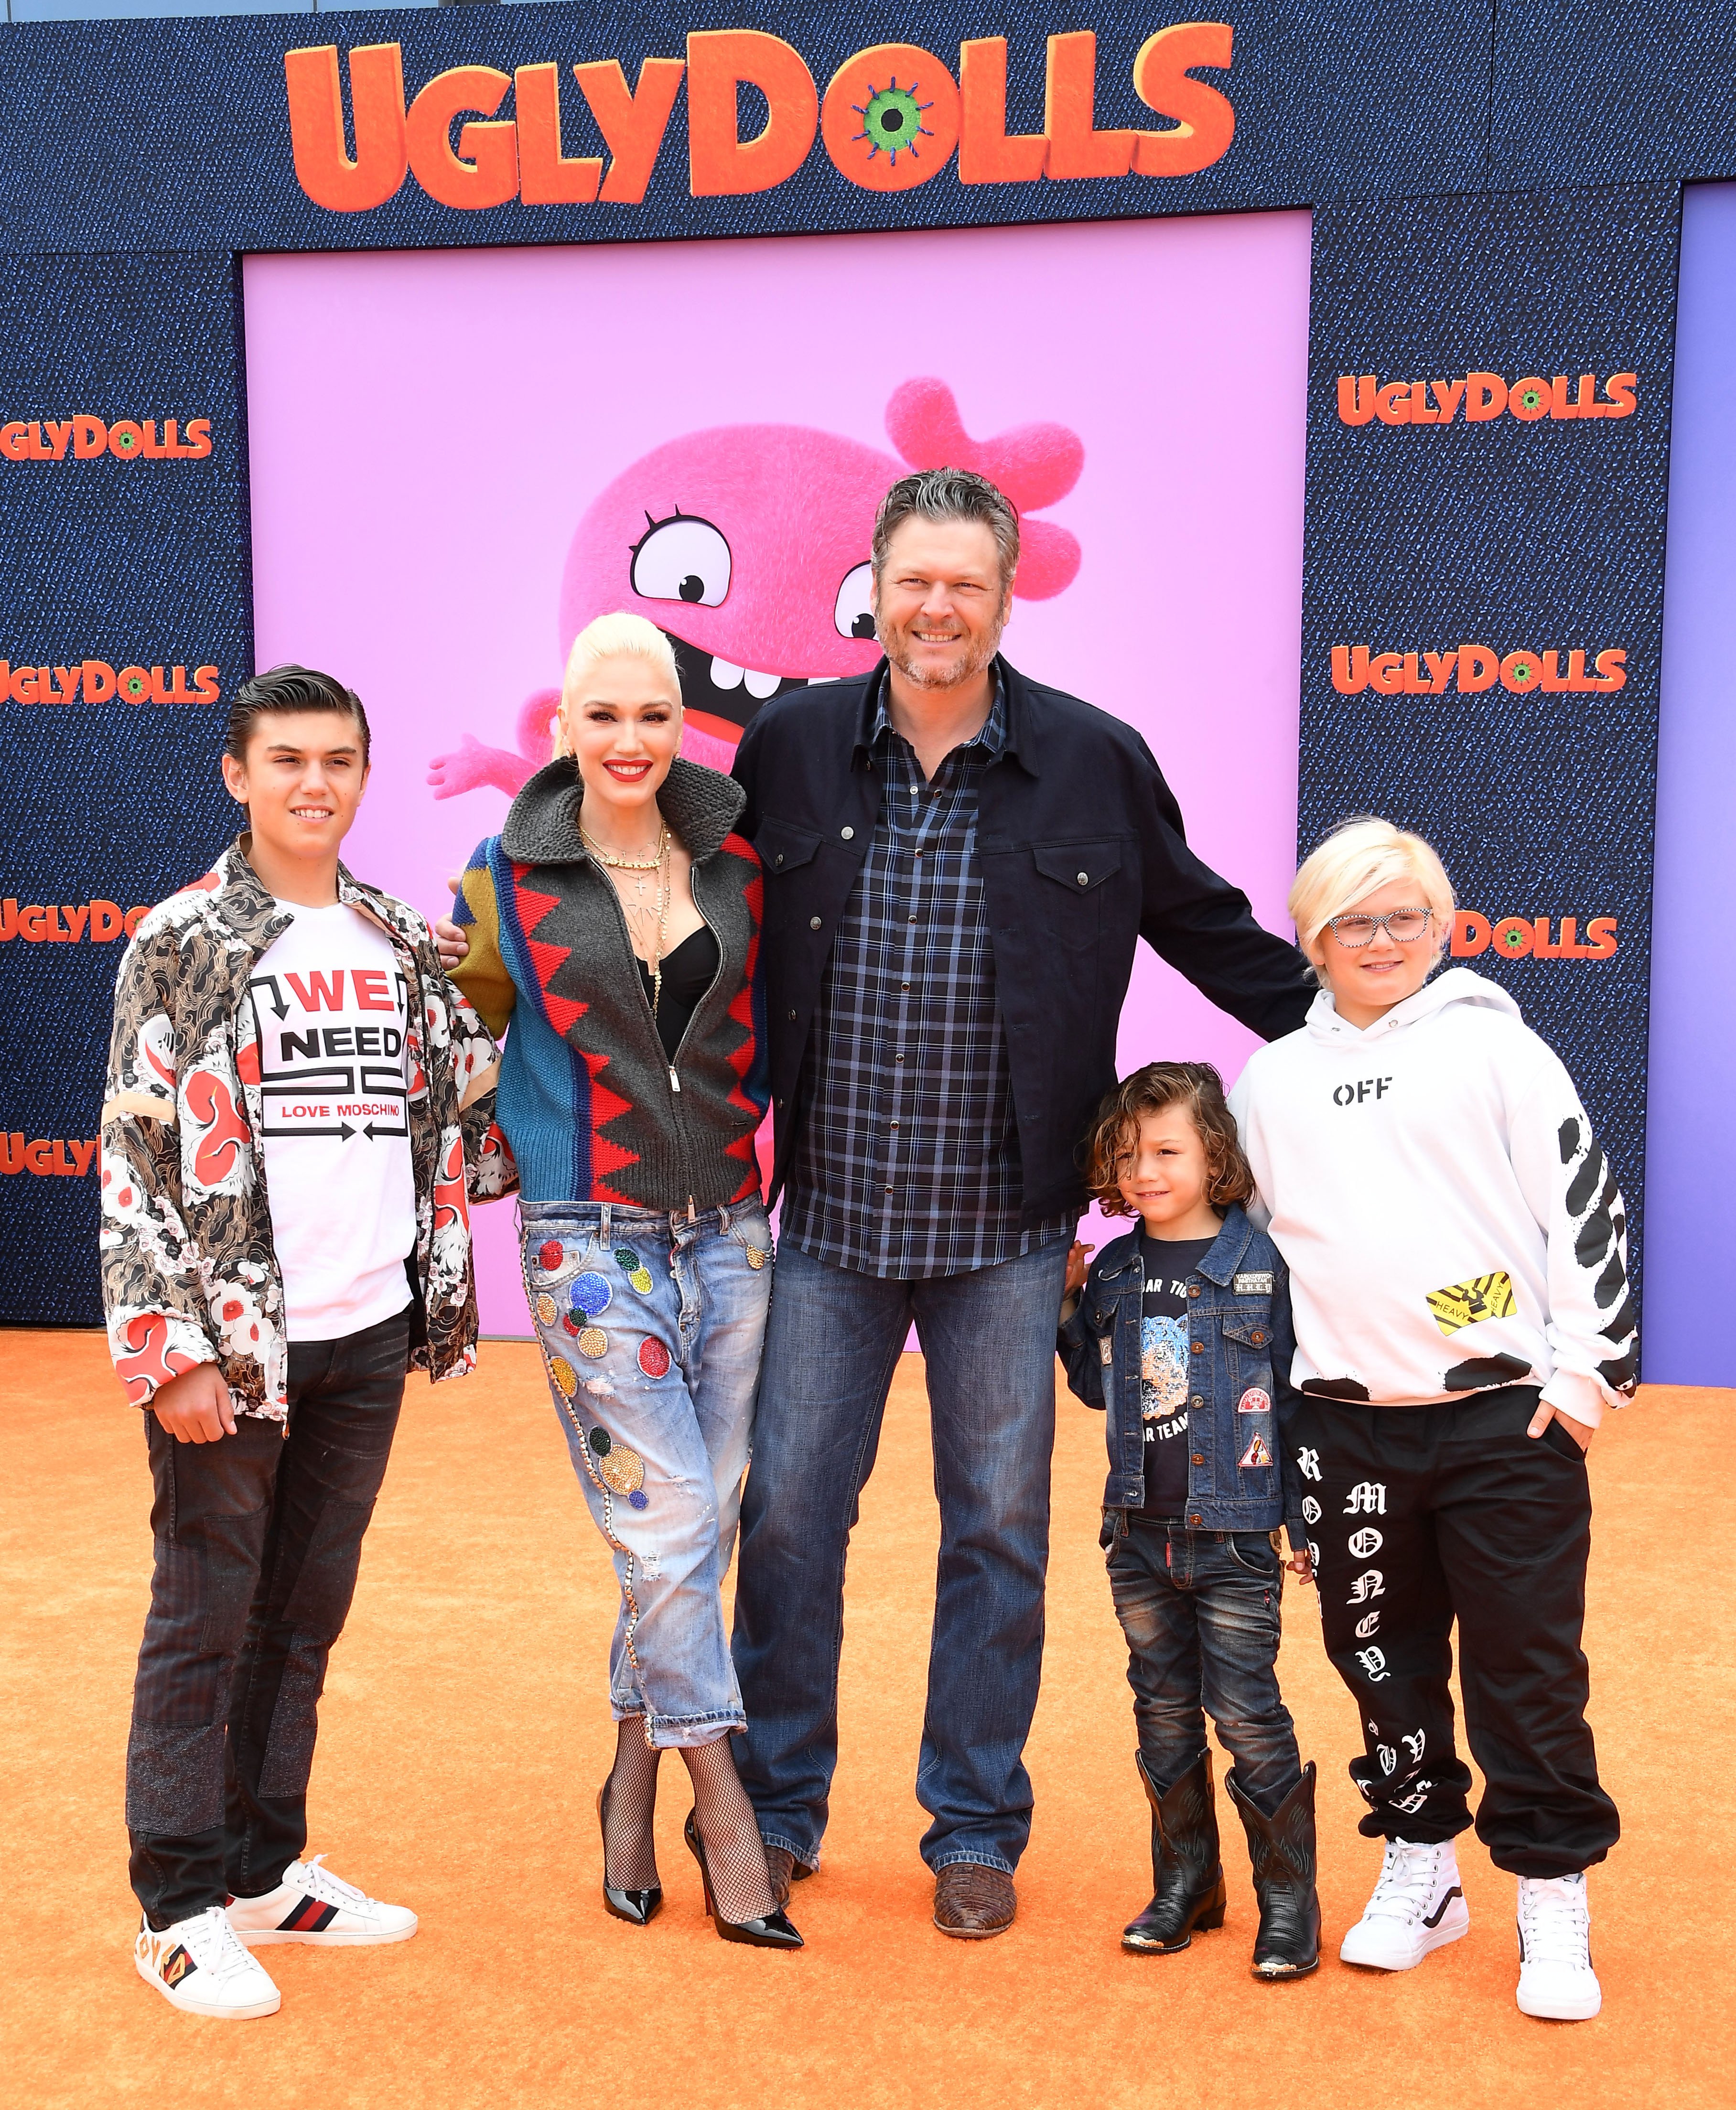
1597,1247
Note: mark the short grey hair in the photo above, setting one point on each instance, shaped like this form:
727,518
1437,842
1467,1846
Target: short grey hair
948,494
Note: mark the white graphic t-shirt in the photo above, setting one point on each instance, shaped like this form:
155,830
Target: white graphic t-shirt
329,998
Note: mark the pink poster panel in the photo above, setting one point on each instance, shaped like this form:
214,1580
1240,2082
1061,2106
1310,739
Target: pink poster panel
454,455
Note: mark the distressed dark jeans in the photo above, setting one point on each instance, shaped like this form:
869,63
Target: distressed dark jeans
258,1541
1200,1611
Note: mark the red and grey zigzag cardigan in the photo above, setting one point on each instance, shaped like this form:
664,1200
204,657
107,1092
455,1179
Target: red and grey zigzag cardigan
589,1105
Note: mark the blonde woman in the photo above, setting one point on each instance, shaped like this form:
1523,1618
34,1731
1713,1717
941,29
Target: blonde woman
614,925
1458,1285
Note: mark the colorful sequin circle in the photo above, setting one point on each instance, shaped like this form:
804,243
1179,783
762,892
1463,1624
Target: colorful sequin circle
637,1498
757,1257
547,1310
622,1470
593,1342
600,1442
654,1358
634,1269
570,1322
565,1376
553,1253
591,1294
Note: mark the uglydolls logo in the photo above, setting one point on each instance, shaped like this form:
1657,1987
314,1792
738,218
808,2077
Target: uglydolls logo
127,439
748,546
1481,398
1532,937
96,681
67,923
892,117
1471,669
47,1157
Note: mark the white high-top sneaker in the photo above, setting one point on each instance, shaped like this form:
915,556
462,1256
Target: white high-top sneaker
1418,1905
314,1906
1556,1979
198,1964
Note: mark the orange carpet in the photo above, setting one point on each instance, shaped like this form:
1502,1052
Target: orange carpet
464,1733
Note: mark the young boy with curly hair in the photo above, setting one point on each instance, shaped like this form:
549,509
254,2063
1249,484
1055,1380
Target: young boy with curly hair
1181,1330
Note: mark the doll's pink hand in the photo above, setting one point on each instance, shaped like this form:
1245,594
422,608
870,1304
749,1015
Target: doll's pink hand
473,766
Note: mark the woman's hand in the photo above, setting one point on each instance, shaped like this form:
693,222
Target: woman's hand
1078,1266
450,942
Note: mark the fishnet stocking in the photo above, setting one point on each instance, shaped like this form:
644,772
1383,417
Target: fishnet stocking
629,1804
735,1855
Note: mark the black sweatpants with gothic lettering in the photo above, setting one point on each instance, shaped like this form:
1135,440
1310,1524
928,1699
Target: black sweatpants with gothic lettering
1419,1515
258,1541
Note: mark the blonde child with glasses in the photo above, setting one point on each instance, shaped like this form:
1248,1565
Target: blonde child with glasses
1456,1243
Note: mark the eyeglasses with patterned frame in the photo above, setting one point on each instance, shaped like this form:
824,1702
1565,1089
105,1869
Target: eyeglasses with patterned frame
1404,926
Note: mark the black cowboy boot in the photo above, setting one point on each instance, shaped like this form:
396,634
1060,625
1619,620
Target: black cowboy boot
1186,1868
1281,1847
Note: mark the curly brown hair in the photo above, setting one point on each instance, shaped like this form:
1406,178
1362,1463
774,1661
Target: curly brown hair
1195,1085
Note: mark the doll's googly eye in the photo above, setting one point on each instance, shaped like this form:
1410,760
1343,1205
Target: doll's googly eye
682,558
853,611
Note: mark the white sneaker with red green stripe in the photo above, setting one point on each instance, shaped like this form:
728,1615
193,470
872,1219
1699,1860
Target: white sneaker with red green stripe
313,1905
199,1966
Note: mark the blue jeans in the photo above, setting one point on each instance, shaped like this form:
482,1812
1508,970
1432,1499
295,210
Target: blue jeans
832,1347
1199,1610
651,1325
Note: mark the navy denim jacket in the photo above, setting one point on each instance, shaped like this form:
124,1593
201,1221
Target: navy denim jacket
1241,1346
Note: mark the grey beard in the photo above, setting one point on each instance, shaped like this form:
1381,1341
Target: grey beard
974,664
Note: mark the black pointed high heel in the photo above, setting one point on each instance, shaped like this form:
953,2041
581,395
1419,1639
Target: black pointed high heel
773,1932
637,1908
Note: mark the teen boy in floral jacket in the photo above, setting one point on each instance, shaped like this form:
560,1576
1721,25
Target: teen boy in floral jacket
298,1106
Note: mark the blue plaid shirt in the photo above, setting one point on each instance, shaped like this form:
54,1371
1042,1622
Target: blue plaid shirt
907,1161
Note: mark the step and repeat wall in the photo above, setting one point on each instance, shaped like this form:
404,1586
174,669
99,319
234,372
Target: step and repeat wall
1329,362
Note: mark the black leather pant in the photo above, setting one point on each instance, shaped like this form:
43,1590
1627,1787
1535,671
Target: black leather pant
258,1541
1421,1515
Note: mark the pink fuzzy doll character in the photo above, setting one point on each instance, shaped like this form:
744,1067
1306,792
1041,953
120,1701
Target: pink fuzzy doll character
748,546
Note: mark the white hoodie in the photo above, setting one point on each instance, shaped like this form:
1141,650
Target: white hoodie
1449,1222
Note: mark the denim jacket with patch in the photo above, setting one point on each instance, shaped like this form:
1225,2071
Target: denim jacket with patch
1240,1475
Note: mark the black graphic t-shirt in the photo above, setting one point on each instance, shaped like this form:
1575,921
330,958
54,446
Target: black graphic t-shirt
1164,1368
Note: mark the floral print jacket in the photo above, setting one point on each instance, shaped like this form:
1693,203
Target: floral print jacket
189,1275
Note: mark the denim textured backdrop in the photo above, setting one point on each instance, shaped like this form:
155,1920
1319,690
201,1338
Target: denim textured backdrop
128,563
1495,190
1543,536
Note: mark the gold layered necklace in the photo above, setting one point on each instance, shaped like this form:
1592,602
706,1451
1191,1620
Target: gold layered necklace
658,862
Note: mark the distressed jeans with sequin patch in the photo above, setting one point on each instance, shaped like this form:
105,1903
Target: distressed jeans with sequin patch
651,1325
258,1541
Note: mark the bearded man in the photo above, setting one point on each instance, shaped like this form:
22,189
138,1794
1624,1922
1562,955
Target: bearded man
959,863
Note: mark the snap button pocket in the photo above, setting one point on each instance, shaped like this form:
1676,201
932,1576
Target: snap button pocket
1258,1339
778,859
1085,879
813,922
1193,1289
848,834
792,1018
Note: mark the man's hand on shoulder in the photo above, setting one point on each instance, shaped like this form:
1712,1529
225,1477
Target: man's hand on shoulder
195,1407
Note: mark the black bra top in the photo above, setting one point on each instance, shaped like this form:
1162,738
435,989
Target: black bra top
687,973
